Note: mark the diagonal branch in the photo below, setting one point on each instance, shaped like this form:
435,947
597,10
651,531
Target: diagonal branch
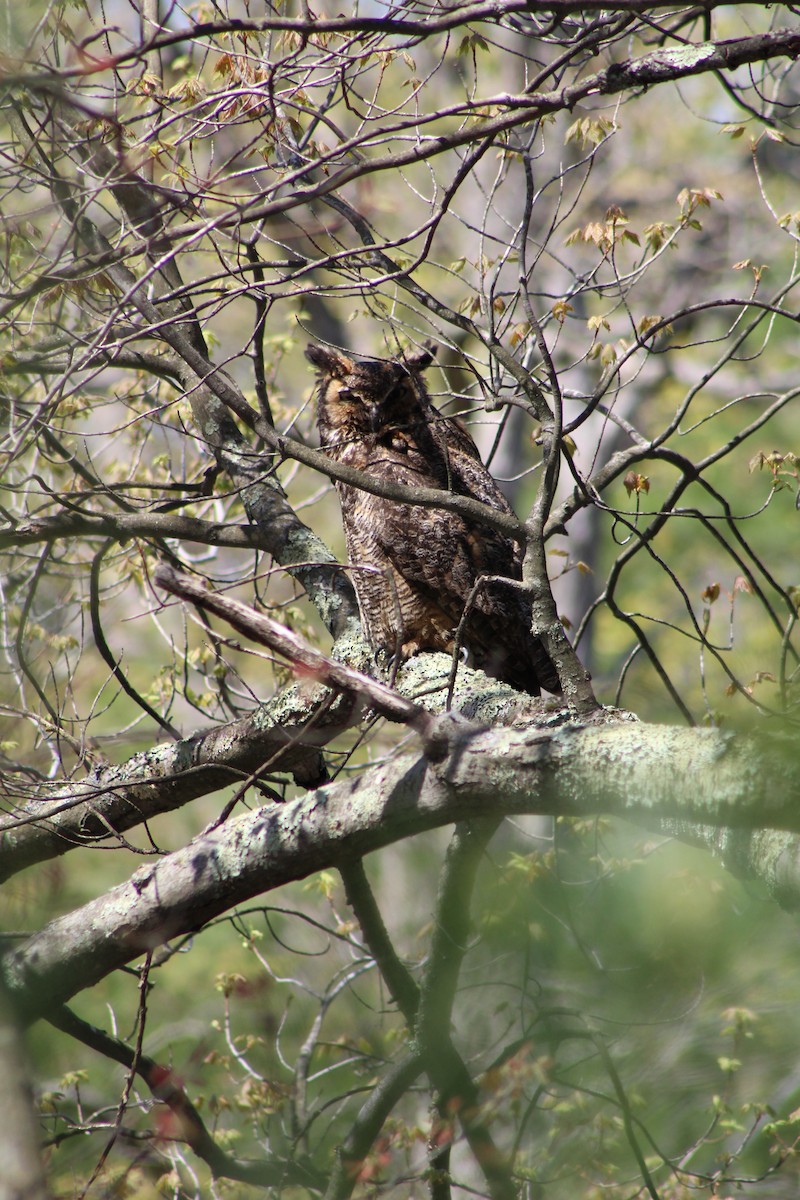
187,1123
368,1124
396,976
622,768
285,735
305,658
121,526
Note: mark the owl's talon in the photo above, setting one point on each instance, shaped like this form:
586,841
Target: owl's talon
384,661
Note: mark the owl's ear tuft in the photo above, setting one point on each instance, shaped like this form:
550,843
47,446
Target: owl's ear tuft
328,362
420,359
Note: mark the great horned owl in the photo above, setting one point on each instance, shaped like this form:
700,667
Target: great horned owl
416,567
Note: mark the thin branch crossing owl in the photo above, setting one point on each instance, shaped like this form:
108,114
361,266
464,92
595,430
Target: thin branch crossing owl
415,568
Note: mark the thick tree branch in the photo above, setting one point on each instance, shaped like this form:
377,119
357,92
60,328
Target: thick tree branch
284,735
623,768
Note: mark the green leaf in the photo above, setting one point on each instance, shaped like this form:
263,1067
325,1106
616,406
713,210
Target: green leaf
470,43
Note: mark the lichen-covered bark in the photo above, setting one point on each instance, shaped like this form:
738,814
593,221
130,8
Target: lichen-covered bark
284,735
612,766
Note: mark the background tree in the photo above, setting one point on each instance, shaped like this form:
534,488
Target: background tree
588,210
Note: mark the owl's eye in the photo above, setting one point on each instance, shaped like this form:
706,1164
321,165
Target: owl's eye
346,393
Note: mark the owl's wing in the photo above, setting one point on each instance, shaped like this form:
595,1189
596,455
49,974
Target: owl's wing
436,551
442,556
435,558
465,466
431,549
